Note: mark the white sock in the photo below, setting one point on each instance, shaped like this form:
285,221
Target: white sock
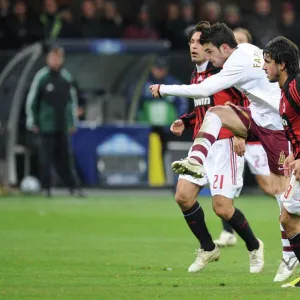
206,136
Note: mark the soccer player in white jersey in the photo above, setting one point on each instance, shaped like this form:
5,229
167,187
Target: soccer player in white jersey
224,168
242,68
257,161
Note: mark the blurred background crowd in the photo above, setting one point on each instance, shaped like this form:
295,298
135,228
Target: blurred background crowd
25,21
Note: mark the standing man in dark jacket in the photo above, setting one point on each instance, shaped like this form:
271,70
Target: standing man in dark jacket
51,110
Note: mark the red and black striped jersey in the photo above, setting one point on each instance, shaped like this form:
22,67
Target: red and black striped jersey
290,112
195,118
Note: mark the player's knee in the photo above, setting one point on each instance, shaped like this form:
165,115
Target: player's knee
269,190
287,224
223,211
283,221
183,200
216,110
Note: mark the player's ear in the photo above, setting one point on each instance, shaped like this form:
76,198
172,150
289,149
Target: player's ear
282,66
224,48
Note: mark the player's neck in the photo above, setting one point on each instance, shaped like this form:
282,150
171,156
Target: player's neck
282,79
201,66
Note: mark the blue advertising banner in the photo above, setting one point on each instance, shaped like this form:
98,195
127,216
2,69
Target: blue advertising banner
112,155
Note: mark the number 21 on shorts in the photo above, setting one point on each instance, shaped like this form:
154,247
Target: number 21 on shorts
218,182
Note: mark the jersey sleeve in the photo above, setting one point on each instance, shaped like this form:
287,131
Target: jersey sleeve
33,98
189,120
229,76
295,90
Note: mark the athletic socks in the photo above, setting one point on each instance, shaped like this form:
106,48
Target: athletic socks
195,219
240,224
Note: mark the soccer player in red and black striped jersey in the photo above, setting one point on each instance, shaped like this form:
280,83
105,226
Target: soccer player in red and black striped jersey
282,65
256,158
224,168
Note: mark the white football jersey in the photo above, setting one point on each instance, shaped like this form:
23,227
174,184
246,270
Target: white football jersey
243,70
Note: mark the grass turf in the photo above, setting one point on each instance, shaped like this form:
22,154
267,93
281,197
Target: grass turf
127,248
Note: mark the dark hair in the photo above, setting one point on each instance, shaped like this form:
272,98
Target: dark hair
282,50
245,32
218,34
199,27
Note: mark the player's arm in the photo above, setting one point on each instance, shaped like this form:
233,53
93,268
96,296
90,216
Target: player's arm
226,78
32,101
73,106
185,121
189,120
295,93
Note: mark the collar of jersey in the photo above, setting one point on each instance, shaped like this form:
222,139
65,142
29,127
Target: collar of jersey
289,79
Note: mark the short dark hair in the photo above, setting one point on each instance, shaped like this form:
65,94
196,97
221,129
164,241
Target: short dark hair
218,34
245,32
282,50
199,27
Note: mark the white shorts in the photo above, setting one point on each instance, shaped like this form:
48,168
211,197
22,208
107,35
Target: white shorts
224,170
257,159
291,197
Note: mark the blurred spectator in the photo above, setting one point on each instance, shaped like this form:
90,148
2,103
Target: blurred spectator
99,4
50,109
242,35
4,41
232,16
262,24
173,28
188,17
69,27
19,26
4,8
50,20
111,12
288,25
188,13
89,24
143,27
211,12
112,21
160,112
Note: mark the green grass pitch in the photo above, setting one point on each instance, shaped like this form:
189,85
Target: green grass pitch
127,247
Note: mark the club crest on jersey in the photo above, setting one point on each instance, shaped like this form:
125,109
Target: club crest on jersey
284,122
281,158
49,87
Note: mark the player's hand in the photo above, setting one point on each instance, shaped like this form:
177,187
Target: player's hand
154,88
239,146
177,127
287,165
295,166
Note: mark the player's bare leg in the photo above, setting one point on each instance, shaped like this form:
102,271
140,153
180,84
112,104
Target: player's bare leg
224,208
265,183
227,236
238,122
186,198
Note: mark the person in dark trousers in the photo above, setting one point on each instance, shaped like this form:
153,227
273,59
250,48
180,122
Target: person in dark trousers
51,110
